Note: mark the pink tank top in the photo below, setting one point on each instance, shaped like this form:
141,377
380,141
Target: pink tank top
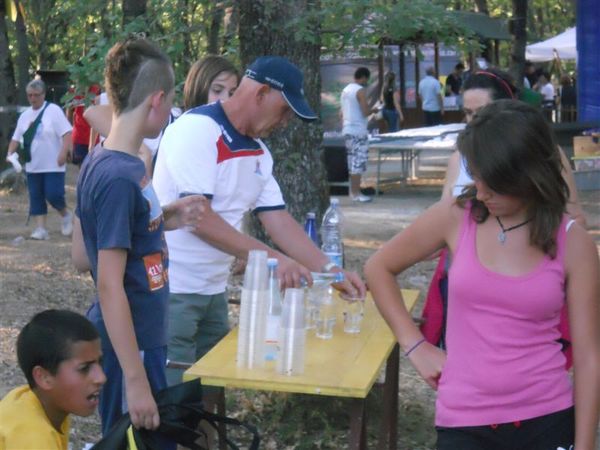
503,362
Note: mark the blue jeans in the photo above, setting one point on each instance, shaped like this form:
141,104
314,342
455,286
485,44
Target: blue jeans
391,117
46,187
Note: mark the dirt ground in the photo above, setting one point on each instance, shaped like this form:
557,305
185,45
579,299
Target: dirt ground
38,275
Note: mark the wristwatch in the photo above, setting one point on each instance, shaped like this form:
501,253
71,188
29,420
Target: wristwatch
327,267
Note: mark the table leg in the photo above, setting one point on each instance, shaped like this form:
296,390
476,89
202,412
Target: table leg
222,429
388,434
413,164
358,424
378,171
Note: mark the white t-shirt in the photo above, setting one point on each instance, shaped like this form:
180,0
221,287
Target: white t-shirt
202,153
153,143
429,90
103,99
547,92
355,123
47,142
463,179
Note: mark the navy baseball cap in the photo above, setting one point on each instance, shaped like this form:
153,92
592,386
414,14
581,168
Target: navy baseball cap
281,74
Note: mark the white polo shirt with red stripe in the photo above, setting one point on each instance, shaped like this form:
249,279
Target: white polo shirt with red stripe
202,153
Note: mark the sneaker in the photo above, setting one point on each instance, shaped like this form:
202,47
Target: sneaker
360,198
66,227
40,234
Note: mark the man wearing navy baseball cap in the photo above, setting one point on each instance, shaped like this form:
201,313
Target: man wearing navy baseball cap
217,150
282,75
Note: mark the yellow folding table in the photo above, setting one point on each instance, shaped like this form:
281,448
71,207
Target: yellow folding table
345,366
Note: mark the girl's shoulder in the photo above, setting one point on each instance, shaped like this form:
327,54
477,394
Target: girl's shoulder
580,248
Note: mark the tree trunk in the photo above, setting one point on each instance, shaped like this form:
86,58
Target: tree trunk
519,31
216,18
105,24
133,9
541,23
487,52
22,55
8,92
297,150
230,22
188,57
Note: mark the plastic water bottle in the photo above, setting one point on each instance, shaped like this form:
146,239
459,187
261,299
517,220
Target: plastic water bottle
273,312
331,233
310,227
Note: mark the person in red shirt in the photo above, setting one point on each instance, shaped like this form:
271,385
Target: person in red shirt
81,129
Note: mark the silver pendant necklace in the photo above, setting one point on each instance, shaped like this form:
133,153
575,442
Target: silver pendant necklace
503,231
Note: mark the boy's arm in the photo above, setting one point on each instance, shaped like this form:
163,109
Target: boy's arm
78,253
186,212
119,325
361,96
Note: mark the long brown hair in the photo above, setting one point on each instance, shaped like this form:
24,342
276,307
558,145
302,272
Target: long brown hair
200,76
509,146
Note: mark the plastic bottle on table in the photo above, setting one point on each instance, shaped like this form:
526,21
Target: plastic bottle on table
310,227
331,233
273,312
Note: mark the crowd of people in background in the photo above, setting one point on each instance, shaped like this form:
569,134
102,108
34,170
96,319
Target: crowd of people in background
158,221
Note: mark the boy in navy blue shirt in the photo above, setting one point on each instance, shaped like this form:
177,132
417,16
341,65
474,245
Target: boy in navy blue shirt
119,228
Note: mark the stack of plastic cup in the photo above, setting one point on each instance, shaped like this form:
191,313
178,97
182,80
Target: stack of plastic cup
292,334
253,312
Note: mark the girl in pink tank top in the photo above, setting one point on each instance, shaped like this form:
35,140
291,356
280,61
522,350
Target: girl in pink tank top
517,259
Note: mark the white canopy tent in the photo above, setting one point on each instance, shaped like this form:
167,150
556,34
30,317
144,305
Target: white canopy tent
565,45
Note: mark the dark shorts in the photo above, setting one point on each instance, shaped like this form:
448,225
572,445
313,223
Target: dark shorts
46,187
547,432
80,151
432,118
196,324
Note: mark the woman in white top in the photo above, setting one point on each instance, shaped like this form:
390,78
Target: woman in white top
480,89
49,149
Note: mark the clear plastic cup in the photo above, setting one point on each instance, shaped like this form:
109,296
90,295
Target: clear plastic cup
314,296
353,313
325,320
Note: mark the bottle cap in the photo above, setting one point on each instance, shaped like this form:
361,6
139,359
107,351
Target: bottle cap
272,262
334,201
310,215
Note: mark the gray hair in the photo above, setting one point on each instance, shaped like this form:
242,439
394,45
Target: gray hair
36,85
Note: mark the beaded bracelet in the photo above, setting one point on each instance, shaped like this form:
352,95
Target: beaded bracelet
410,350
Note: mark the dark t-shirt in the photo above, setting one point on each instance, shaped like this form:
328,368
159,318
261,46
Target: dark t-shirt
455,83
388,99
568,96
118,209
